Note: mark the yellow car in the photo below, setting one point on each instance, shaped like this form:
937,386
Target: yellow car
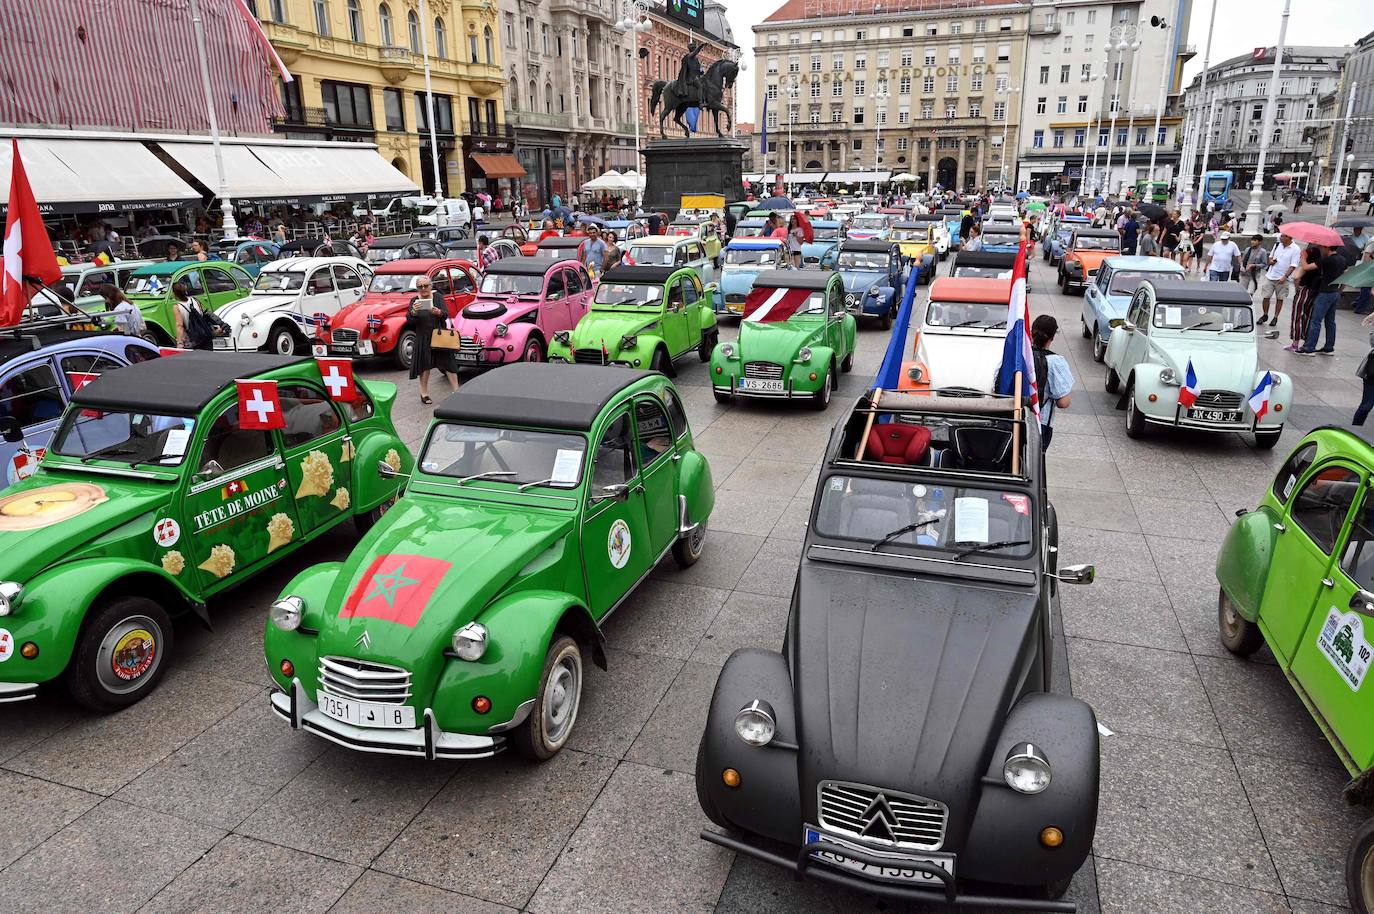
916,242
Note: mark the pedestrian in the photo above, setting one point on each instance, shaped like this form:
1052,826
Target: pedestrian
655,224
1362,300
775,228
1185,247
973,241
425,315
966,223
1306,281
1053,372
198,250
126,315
1283,260
193,328
486,254
1169,231
795,239
1333,264
1221,258
478,214
1130,230
1149,241
1255,259
1366,373
548,232
593,252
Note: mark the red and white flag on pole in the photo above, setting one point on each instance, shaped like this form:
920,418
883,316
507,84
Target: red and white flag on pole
28,249
259,406
337,375
262,38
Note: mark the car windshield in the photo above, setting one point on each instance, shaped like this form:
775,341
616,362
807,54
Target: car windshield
870,222
966,314
558,253
738,257
919,234
1214,318
123,436
652,255
749,231
279,281
990,239
512,284
863,260
381,255
147,284
982,272
1125,282
394,282
941,518
1098,243
505,455
625,293
825,234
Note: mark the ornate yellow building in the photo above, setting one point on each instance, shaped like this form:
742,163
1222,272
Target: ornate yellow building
359,75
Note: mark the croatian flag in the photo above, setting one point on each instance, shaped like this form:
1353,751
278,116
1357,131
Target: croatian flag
1259,399
1187,394
1016,351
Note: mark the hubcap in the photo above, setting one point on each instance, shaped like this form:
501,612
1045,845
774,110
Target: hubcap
130,652
532,352
285,345
697,538
408,349
561,697
1230,619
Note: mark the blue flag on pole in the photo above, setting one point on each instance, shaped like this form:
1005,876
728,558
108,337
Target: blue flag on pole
763,132
890,372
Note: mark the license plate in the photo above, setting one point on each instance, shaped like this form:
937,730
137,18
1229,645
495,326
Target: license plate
465,356
1214,415
221,343
340,350
894,872
735,308
365,347
764,386
319,350
367,713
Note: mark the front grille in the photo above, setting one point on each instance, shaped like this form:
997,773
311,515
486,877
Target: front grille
469,344
859,811
1218,399
589,357
345,336
364,680
763,371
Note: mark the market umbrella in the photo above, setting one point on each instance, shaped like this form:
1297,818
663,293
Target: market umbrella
1023,195
1275,208
776,203
1153,211
1034,206
1360,276
592,220
1353,221
1312,233
156,245
905,177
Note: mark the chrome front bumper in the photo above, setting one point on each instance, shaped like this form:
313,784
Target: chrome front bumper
17,691
427,741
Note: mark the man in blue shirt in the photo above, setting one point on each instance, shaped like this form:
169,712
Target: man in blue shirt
1053,378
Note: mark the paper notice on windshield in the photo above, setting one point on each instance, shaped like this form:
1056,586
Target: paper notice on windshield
565,466
971,520
177,439
1173,317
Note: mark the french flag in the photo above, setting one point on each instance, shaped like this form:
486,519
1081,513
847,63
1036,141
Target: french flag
1259,399
1187,394
1016,351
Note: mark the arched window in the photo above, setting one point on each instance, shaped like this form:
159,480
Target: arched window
384,20
355,21
534,97
440,38
548,98
472,48
413,26
490,46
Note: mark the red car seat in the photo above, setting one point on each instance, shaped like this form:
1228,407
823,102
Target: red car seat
898,443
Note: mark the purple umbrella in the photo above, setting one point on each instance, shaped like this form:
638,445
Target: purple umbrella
775,203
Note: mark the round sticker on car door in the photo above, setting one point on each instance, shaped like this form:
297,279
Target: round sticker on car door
618,544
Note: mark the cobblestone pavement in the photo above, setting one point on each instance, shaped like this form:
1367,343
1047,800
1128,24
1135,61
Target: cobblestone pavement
1218,792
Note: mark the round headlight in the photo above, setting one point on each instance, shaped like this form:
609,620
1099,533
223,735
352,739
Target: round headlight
727,350
804,355
502,329
1026,769
755,723
9,595
1167,376
286,613
244,320
470,641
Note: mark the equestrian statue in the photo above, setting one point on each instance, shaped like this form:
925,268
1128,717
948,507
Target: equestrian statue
695,88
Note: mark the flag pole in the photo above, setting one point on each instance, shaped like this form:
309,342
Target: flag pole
231,230
1017,416
868,423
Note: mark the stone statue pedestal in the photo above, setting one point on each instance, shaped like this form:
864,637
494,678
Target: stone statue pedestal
700,165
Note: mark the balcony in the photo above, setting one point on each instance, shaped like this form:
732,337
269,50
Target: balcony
1187,52
1043,29
486,128
539,120
397,54
296,116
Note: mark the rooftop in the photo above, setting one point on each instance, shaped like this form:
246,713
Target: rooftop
539,394
178,385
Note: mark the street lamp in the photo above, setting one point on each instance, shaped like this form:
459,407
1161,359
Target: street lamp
1337,187
1165,72
1187,208
635,21
793,84
1006,123
880,97
1119,39
1252,212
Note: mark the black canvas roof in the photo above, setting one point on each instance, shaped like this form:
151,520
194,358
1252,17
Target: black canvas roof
539,394
795,279
12,346
925,217
523,266
879,247
177,384
1196,292
563,241
393,241
984,259
1096,233
646,275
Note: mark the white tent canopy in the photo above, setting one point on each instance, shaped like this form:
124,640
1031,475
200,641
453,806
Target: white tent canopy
611,180
858,177
905,177
88,174
264,171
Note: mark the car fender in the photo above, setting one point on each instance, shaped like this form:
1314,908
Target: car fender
371,446
822,357
1145,377
1280,395
706,316
1244,558
1004,839
1116,348
694,482
768,799
312,586
518,335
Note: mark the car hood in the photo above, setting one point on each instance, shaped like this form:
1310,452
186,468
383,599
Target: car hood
487,312
597,327
1228,363
458,554
961,359
777,341
817,248
254,305
904,684
383,305
1091,260
859,280
739,279
111,503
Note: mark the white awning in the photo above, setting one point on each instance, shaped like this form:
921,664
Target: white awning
857,177
802,177
754,177
93,176
290,173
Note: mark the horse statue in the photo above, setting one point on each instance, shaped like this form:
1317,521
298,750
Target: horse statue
676,100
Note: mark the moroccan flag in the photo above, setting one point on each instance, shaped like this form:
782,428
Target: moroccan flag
395,588
28,250
234,489
259,406
766,306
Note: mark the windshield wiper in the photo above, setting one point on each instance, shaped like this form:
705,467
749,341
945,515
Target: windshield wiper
158,459
889,537
487,475
1199,324
542,482
984,547
1000,325
109,452
968,323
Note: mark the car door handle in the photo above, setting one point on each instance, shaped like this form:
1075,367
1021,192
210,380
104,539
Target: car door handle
677,457
638,490
1280,527
1327,582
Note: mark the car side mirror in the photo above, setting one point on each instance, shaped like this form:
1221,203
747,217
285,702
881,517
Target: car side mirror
209,470
386,470
11,430
1362,601
1077,574
617,492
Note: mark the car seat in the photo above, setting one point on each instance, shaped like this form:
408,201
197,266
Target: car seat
977,447
898,443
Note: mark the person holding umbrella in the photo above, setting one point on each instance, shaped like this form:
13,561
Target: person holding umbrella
1324,306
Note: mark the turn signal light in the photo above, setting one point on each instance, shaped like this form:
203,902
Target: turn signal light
730,776
1051,836
481,704
718,369
813,376
29,650
1278,407
288,669
1154,398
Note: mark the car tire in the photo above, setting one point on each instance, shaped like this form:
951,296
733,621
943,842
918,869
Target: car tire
1359,863
722,395
661,363
281,341
1113,381
703,779
404,353
91,676
707,345
551,720
885,320
1265,441
687,549
821,398
1238,634
1063,287
368,519
1087,334
1099,347
1135,419
534,350
847,363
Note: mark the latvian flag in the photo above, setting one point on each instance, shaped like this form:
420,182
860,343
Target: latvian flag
234,489
1187,394
767,306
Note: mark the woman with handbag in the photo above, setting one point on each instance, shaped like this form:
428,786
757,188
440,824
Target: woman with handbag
426,314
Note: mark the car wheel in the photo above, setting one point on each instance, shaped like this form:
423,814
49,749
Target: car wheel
551,719
1087,334
282,341
1135,419
404,353
688,548
534,350
1265,441
703,779
1239,635
885,320
707,344
120,655
366,521
722,395
1062,285
661,363
1047,256
1359,863
821,398
847,363
1099,347
1113,381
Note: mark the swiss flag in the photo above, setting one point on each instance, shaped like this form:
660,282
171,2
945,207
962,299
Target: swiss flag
395,588
28,253
80,379
259,406
165,351
337,375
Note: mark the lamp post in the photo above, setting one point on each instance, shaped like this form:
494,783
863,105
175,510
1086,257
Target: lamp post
1187,208
793,84
1119,39
1337,189
880,97
429,104
226,207
1307,178
1006,124
1166,71
635,22
1252,212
